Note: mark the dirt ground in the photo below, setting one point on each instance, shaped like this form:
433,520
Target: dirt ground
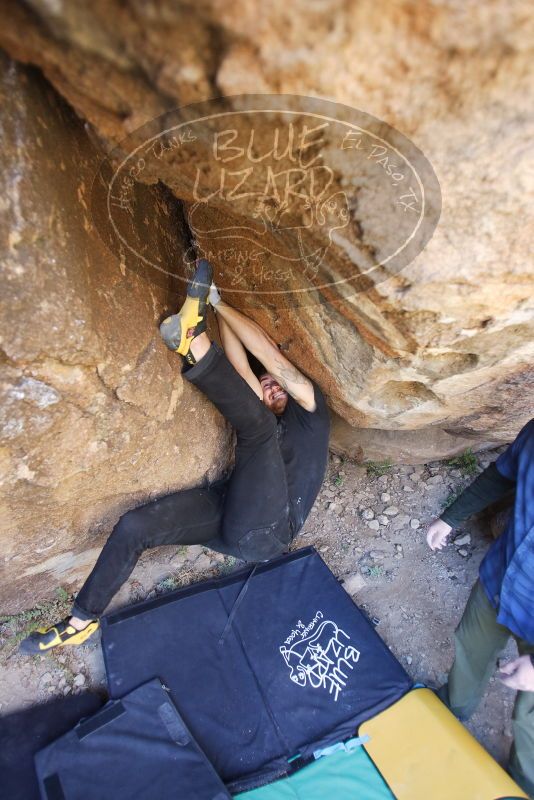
370,529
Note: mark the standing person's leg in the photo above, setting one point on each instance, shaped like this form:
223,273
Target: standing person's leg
255,525
478,639
521,763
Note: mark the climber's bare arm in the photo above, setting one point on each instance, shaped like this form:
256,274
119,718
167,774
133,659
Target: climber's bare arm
236,354
260,344
290,378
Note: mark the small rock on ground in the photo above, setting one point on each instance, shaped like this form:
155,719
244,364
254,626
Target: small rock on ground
466,539
353,583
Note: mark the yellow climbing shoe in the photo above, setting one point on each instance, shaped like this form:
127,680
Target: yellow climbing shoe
57,635
179,330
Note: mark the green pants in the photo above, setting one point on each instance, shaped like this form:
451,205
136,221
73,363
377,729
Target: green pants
479,639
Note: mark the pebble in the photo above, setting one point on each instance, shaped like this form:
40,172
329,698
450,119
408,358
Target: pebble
415,523
409,660
368,513
336,459
193,552
435,479
385,497
353,583
46,678
62,659
391,511
463,540
79,680
376,554
407,489
373,524
203,562
415,476
383,520
463,552
66,690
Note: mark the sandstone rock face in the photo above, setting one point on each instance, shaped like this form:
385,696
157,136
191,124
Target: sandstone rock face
95,416
440,352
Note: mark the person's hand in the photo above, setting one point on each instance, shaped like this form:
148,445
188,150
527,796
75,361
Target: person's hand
437,534
214,297
518,674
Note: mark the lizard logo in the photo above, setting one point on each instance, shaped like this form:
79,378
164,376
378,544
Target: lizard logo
322,658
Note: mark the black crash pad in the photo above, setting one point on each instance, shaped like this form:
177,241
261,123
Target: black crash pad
291,666
137,747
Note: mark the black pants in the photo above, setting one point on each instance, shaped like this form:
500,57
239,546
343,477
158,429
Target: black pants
246,516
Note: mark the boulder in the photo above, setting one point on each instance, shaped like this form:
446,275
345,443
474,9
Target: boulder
95,416
423,361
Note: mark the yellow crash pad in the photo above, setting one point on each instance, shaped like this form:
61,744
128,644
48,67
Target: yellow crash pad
424,753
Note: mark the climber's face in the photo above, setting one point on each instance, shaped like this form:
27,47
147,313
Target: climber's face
274,397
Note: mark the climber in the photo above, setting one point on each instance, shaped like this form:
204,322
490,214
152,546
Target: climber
501,604
282,426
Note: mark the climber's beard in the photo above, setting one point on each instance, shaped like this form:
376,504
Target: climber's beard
274,397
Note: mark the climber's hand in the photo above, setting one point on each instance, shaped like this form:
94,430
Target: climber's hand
438,534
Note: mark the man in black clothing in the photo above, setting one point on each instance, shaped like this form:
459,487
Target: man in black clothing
282,427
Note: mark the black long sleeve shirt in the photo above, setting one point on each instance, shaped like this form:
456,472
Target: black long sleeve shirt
487,488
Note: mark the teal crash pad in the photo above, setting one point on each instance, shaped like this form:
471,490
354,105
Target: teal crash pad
343,775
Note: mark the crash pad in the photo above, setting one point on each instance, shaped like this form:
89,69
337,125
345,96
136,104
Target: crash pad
263,664
344,775
137,747
424,752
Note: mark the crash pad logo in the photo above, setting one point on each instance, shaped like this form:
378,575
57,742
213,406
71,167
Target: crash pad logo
288,196
319,655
